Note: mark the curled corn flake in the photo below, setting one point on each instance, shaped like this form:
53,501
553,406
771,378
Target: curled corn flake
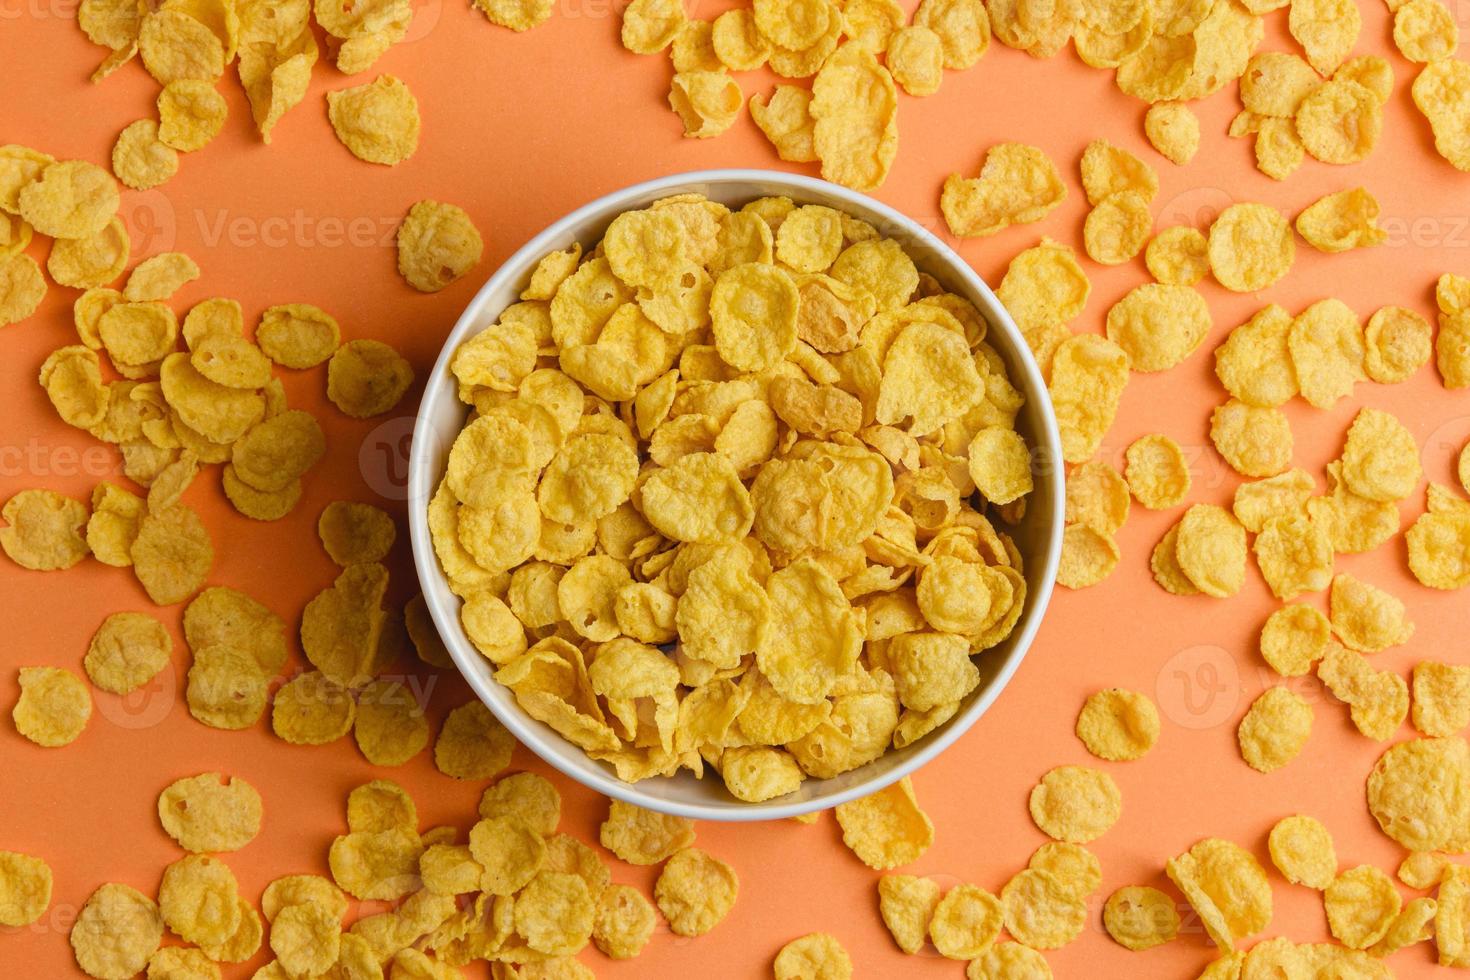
1211,550
1173,129
68,199
367,378
1361,905
907,906
1117,228
140,159
1226,887
1340,122
641,836
707,102
1380,460
1017,184
887,829
1397,343
1342,221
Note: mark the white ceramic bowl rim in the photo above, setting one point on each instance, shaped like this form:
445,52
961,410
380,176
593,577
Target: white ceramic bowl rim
442,604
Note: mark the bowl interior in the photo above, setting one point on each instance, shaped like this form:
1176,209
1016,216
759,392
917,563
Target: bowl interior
1038,537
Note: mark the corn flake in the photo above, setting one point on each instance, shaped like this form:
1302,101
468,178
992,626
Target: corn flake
1361,905
1075,804
378,122
1302,850
695,891
1118,725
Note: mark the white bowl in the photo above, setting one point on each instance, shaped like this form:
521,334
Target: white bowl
442,415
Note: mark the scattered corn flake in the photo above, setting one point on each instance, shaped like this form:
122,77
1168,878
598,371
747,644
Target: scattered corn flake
1398,342
1158,325
1139,917
1366,618
815,956
1008,961
1178,256
1172,128
390,727
53,708
312,709
1361,905
624,922
1380,460
965,921
140,160
886,829
1040,911
1425,31
1302,850
1340,121
116,932
437,244
1117,228
1017,184
44,530
378,122
1294,638
1088,556
1226,887
1275,729
199,899
1076,804
1157,472
1250,247
206,813
25,889
907,906
1118,725
472,744
376,866
695,891
1342,221
68,199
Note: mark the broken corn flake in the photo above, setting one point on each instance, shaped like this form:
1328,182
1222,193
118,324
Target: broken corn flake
1342,221
1017,184
1172,128
907,905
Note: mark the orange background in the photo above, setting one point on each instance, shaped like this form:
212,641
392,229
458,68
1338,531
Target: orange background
520,129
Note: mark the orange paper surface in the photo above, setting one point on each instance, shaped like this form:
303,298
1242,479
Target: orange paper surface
519,129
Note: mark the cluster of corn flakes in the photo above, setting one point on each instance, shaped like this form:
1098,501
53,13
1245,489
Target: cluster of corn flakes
762,434
188,46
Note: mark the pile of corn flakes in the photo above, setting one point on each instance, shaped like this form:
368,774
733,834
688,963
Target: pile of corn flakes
762,437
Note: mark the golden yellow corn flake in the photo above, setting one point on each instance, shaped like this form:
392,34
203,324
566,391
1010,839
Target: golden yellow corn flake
916,57
437,244
1381,459
1422,869
1302,850
127,651
390,727
205,813
1416,792
72,377
354,533
1040,911
172,554
907,906
116,932
1211,550
306,939
1441,698
1008,961
1342,221
1109,170
641,836
1295,555
190,114
1075,804
226,689
140,160
1158,325
1139,917
1096,496
1340,122
44,530
381,865
1275,729
1172,128
815,956
707,102
1250,247
695,891
378,122
624,922
886,829
473,744
1000,465
1117,228
159,277
68,199
1439,93
224,616
302,890
1087,380
1294,638
1425,31
965,922
1226,887
1044,286
1254,363
90,262
1398,342
1018,184
1326,30
554,913
367,378
1118,725
53,708
785,117
516,15
311,709
181,963
297,336
25,888
1088,556
649,26
1077,868
1365,618
1361,904
19,165
1178,256
1414,924
1156,471
198,898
